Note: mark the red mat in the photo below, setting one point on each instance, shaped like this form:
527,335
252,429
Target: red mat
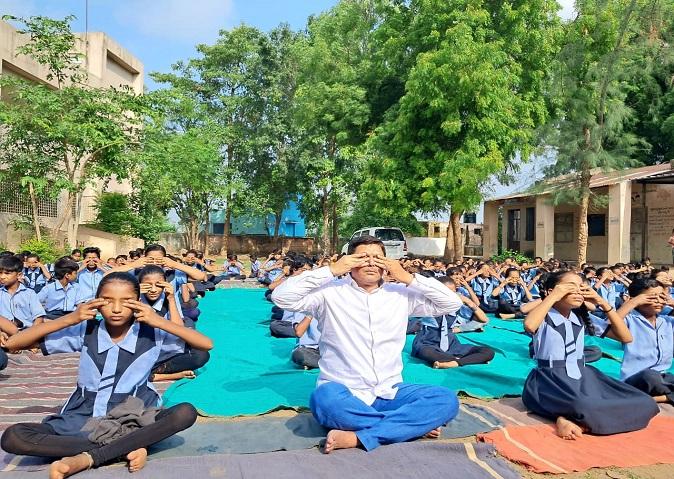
539,449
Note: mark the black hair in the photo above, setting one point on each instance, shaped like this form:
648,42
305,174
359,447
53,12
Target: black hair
63,266
6,253
123,256
510,270
119,277
76,250
151,269
589,269
11,264
155,247
133,254
640,285
446,280
92,249
453,270
365,240
191,251
298,262
33,255
601,270
552,279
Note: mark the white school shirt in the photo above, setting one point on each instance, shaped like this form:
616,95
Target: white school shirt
363,334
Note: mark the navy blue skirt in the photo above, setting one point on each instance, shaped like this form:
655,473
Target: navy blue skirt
601,404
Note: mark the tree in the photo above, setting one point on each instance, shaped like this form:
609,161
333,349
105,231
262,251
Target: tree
61,137
181,166
602,54
473,98
332,111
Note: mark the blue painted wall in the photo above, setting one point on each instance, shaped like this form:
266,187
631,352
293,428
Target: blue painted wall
292,223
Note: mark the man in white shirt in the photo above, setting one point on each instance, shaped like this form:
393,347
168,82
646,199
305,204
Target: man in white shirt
360,394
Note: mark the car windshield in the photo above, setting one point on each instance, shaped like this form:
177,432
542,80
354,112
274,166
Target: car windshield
389,234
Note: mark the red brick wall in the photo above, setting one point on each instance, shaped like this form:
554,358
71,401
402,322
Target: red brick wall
243,244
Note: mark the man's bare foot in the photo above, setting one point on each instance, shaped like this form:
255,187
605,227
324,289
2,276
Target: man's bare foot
568,430
340,440
137,459
68,466
445,364
174,376
434,434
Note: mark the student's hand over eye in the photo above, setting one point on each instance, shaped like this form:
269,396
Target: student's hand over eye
564,289
347,262
394,268
88,311
144,313
145,288
3,338
646,299
167,287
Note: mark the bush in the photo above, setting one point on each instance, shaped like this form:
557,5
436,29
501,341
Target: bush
46,248
519,257
115,214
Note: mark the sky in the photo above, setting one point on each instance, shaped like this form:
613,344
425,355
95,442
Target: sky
161,32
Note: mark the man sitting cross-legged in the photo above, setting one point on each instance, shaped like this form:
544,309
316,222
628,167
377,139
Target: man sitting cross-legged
360,395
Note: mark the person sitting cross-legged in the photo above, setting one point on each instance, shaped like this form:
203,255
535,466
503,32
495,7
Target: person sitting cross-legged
360,394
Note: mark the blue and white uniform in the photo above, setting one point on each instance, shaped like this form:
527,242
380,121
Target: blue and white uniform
563,385
483,288
58,300
34,279
109,372
22,306
89,281
648,358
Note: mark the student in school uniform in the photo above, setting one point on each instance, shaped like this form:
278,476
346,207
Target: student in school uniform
116,356
360,393
18,303
437,344
470,317
62,295
158,293
282,326
306,353
562,387
512,292
483,284
255,266
76,255
91,272
648,357
35,274
234,268
272,269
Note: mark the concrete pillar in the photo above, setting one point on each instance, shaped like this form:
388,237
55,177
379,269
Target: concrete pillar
545,228
619,218
490,230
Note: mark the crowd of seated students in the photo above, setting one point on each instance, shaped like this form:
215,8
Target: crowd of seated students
560,306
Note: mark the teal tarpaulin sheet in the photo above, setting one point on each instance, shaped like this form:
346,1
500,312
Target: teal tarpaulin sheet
250,372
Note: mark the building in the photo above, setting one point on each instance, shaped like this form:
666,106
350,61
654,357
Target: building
472,233
292,223
635,222
108,64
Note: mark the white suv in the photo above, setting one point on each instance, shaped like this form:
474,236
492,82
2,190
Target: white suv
393,239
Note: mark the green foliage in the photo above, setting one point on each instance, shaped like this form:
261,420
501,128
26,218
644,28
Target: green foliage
516,255
47,249
116,214
365,214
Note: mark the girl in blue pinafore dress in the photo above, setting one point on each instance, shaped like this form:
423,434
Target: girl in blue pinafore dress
561,387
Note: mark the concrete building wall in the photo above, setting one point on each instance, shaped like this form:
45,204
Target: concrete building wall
107,64
638,220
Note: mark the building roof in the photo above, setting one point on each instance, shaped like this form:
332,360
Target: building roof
662,173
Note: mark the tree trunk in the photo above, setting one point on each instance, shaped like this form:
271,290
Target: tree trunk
278,215
582,219
335,229
65,214
224,251
449,243
72,239
33,205
455,220
193,234
207,225
325,234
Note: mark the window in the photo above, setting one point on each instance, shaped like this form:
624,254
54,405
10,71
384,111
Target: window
563,227
14,201
436,229
530,233
596,225
477,231
389,234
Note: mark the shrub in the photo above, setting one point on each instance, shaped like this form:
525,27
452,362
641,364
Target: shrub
519,257
46,248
